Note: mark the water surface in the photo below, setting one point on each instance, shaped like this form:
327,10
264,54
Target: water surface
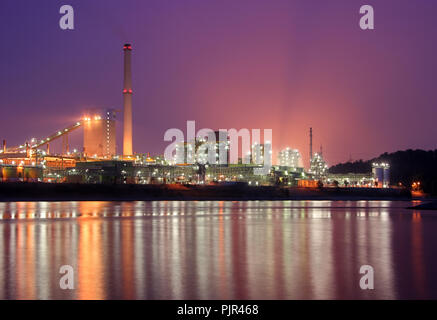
217,250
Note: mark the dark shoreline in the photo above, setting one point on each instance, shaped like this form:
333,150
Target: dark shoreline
431,205
239,192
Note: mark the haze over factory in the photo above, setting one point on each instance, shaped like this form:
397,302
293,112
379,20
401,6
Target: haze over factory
99,161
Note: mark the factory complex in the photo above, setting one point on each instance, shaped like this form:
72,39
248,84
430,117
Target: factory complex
98,162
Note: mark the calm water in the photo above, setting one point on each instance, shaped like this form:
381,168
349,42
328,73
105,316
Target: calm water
217,250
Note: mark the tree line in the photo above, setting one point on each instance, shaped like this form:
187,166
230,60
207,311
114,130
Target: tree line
406,167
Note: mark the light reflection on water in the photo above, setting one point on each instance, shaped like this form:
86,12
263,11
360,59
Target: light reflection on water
217,250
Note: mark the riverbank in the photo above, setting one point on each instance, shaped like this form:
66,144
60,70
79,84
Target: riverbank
425,206
97,192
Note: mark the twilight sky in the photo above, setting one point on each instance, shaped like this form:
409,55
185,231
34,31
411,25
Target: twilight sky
281,64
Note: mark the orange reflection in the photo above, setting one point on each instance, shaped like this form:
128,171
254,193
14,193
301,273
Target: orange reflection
128,256
90,266
30,261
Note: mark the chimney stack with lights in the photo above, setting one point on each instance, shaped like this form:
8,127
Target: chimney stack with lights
127,102
311,145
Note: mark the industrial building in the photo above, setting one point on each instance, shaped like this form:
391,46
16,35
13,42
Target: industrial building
197,151
20,173
289,158
185,153
318,167
129,172
350,180
260,152
99,134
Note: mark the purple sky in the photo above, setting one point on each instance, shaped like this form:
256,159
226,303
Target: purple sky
285,65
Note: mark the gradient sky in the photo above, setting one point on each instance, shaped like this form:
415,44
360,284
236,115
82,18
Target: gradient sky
282,64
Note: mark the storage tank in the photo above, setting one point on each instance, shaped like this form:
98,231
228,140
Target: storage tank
381,174
33,174
378,174
11,174
386,176
20,173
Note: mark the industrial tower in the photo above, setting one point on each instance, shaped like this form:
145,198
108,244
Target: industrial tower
127,102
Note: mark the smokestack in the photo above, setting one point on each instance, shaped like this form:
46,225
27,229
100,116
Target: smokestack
27,150
311,144
4,146
127,102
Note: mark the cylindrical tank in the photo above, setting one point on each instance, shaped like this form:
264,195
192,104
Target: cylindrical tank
378,174
20,173
386,177
10,173
32,174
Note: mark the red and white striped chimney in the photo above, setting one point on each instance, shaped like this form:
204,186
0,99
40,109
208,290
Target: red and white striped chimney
127,102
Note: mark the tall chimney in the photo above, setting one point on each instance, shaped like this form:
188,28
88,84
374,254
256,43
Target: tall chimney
127,102
4,146
311,144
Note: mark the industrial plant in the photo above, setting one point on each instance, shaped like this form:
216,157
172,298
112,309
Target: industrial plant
99,163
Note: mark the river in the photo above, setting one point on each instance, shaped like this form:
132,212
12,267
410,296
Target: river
217,250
